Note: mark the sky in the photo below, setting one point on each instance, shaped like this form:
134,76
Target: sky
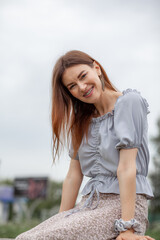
122,35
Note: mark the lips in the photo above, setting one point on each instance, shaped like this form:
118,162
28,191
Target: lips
88,92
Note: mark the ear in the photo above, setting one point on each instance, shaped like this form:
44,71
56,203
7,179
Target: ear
97,68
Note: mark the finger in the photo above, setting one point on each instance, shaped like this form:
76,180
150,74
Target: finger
149,238
146,238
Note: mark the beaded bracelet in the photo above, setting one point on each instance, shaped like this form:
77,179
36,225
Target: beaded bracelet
122,226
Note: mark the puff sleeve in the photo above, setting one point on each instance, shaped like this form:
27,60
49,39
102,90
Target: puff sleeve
130,120
71,152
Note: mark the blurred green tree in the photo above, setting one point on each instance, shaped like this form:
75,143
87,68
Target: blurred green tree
155,175
39,208
52,201
8,182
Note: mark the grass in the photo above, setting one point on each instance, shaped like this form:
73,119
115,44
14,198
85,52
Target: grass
11,230
154,230
154,234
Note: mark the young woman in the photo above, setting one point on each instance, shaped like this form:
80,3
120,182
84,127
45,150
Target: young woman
109,144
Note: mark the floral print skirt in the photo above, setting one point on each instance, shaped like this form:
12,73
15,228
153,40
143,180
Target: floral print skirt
88,224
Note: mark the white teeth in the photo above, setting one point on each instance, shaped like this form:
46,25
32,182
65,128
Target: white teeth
88,92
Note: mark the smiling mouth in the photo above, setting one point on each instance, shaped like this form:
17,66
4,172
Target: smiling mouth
88,93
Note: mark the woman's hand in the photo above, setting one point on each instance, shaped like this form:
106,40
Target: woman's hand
128,235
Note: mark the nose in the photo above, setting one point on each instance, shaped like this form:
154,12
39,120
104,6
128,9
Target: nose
82,86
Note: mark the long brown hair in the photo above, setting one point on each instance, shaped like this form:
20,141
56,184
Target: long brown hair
70,116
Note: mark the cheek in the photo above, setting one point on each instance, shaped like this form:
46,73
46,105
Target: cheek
97,83
95,80
74,93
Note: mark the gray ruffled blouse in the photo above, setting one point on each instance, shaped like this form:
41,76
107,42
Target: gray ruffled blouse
125,127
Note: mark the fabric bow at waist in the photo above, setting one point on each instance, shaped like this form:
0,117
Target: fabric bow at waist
87,203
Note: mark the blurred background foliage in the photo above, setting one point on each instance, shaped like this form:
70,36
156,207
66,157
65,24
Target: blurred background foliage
154,176
32,211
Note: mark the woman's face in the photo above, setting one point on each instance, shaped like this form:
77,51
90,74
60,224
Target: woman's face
83,82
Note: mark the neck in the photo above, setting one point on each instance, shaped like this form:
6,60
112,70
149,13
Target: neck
106,102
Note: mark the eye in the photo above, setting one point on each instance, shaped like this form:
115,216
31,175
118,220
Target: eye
71,86
83,76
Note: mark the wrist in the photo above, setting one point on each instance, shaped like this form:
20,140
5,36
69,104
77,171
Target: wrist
123,226
131,230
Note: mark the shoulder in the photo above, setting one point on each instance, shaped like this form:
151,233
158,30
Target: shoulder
132,98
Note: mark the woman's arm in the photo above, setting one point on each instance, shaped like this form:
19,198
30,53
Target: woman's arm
71,186
126,173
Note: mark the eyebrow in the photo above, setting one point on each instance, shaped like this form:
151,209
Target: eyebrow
81,73
77,77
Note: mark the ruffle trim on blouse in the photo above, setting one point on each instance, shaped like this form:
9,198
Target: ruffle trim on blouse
109,184
98,119
124,92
